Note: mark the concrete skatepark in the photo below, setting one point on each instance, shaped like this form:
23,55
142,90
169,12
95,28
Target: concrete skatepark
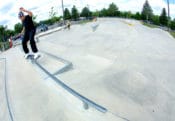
123,66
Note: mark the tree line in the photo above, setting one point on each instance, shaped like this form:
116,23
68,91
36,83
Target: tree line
146,15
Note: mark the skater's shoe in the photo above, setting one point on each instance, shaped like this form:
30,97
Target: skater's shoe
36,55
26,55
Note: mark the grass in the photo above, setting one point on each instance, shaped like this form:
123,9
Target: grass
84,22
154,26
172,33
150,25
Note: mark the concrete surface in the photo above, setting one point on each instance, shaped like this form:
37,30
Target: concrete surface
4,115
124,66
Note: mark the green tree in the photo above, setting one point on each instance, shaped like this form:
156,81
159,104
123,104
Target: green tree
5,34
164,18
147,11
96,13
67,14
54,19
123,14
18,28
155,20
85,12
2,33
9,33
75,14
172,24
52,13
50,21
113,10
103,12
137,16
126,14
34,20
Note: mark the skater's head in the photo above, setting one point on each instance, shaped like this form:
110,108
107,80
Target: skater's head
21,16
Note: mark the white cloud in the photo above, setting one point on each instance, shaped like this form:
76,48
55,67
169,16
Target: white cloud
41,8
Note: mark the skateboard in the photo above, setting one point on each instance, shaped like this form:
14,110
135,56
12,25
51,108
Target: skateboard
31,57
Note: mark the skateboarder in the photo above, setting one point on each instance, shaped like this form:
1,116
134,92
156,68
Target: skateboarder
29,32
68,24
95,24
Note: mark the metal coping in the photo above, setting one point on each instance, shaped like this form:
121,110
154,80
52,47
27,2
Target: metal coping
63,69
6,90
73,92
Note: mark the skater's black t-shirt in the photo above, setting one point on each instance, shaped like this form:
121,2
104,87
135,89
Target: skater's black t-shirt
28,23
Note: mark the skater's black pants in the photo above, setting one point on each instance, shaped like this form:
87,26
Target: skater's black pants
29,35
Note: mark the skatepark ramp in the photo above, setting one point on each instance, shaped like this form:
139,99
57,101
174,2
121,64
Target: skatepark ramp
124,74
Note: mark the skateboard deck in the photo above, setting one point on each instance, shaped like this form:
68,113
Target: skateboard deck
31,57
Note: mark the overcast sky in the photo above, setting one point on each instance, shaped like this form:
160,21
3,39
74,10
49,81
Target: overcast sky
9,8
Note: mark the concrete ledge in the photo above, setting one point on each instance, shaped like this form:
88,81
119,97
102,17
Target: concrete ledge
48,32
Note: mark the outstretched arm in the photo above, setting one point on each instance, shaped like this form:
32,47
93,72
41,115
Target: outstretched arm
26,11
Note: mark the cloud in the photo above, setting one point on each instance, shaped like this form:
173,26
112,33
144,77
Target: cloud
3,22
6,8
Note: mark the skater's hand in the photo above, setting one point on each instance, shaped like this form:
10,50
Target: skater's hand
22,9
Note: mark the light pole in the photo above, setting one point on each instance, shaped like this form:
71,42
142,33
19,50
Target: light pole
168,14
168,8
88,11
63,10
